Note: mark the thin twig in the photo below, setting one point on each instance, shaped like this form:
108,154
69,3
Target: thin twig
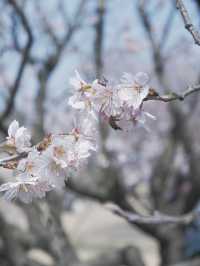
24,60
187,21
155,219
11,158
172,96
167,29
84,191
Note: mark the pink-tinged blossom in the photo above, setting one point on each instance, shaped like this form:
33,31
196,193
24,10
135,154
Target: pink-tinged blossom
85,129
18,137
25,190
85,136
29,164
77,82
81,99
133,89
28,184
106,100
55,162
79,154
50,169
59,149
136,117
113,103
46,169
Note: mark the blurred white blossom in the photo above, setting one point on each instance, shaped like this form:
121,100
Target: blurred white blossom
18,137
134,89
25,190
81,99
106,100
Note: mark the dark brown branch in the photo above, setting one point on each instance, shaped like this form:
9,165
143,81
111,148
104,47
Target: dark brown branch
157,57
24,60
172,96
74,25
12,158
155,219
167,28
161,172
49,64
84,191
187,21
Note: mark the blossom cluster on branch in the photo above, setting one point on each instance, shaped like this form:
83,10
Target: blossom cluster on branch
41,168
120,105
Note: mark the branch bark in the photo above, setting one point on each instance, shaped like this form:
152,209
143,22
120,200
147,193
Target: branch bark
187,21
172,96
157,218
24,59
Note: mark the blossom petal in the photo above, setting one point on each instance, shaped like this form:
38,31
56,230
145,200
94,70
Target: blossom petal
141,78
14,126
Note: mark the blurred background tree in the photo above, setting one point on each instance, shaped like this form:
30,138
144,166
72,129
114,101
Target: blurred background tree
42,43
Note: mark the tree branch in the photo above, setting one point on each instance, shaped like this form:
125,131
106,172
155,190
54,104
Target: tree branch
155,219
24,60
187,21
84,191
12,158
172,96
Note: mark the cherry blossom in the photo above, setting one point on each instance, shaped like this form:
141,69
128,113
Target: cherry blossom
18,137
81,99
28,165
112,102
133,89
106,100
47,165
85,129
51,169
25,190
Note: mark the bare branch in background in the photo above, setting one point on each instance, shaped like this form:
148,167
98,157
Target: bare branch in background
156,219
187,21
98,45
85,192
167,28
47,231
157,57
178,135
24,59
52,61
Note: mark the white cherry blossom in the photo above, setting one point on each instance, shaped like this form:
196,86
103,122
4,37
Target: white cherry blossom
134,118
80,152
25,190
51,170
18,137
81,100
133,89
106,100
47,168
29,164
85,129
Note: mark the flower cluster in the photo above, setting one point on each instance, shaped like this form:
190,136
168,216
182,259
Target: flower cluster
118,104
46,166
